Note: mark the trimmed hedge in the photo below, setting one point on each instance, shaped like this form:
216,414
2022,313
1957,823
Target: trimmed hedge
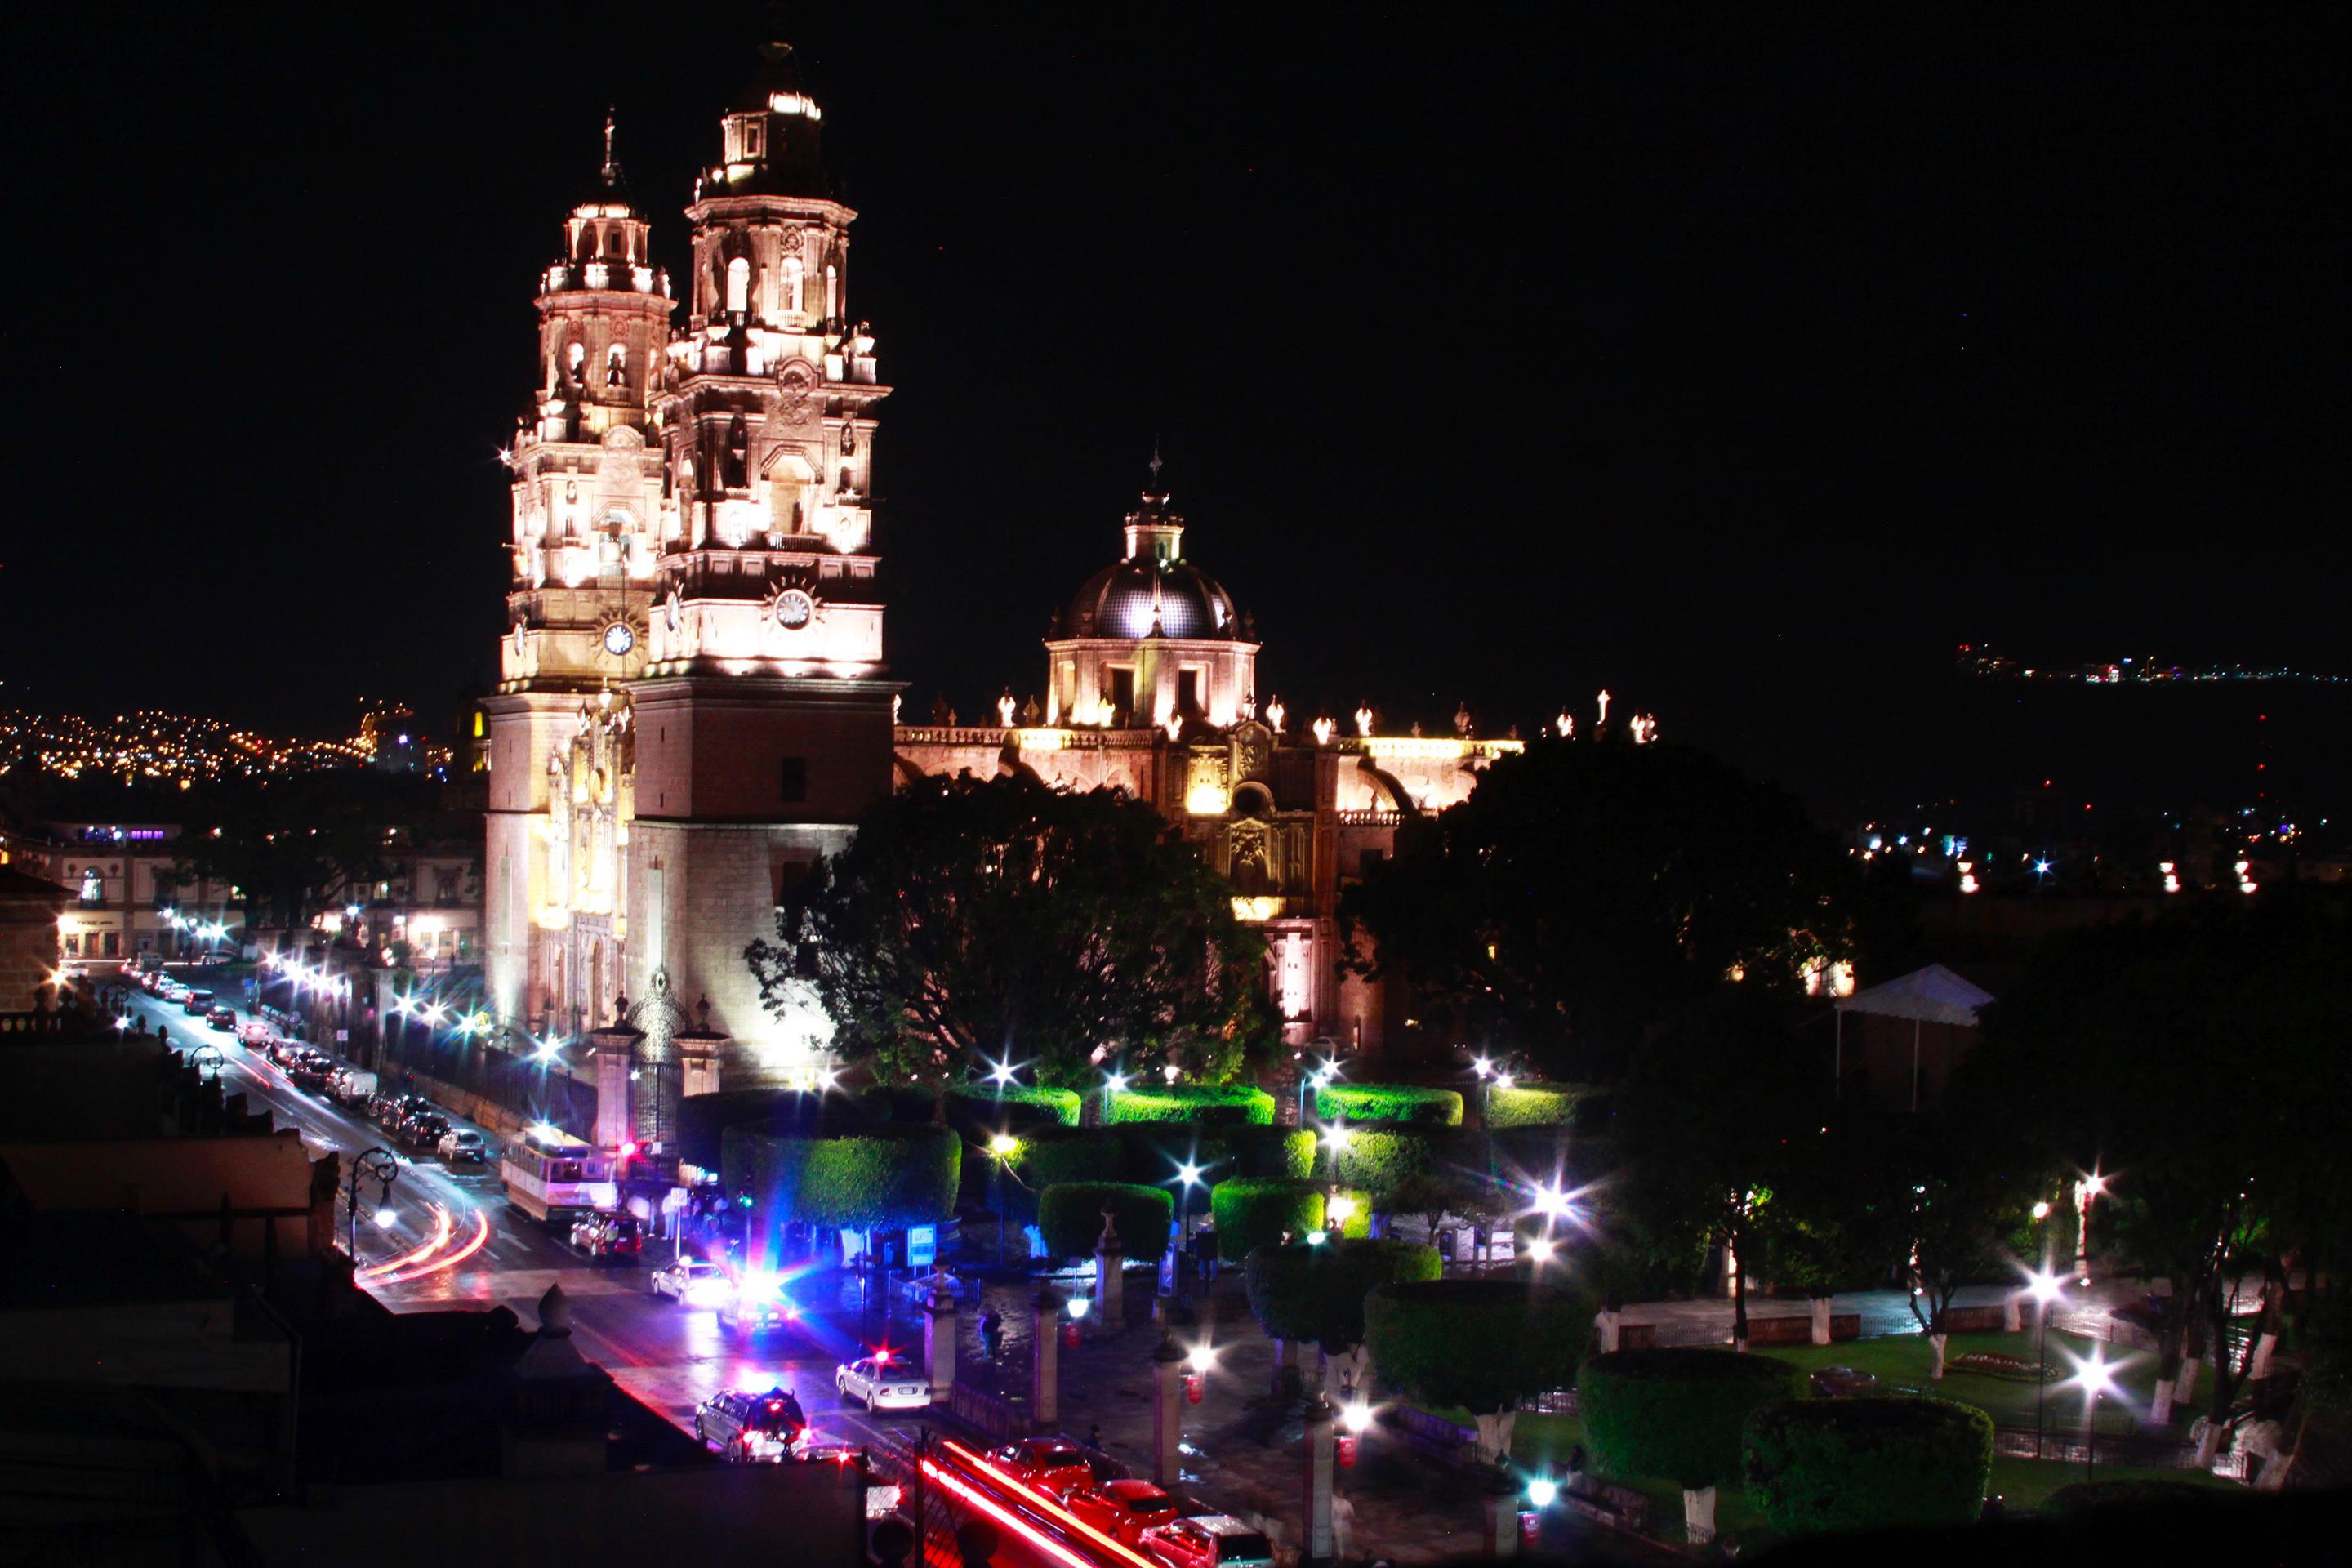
1317,1292
900,1102
1677,1414
1069,1215
1881,1462
1202,1105
704,1119
1251,1212
1390,1164
1482,1344
2137,1497
978,1108
1156,1150
882,1177
1537,1105
1046,1155
1400,1102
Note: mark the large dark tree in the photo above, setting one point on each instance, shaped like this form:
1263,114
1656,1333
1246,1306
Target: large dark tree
288,845
1584,890
2199,1060
977,921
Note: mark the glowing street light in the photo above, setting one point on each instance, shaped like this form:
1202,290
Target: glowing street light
1542,1490
2096,1381
1541,1250
2045,1287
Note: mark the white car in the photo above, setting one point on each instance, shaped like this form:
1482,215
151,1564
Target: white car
461,1144
883,1382
692,1282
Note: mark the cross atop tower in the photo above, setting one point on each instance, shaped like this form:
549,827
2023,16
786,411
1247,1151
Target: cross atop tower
612,166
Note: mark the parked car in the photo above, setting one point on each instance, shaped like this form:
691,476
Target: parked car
462,1145
752,1428
692,1282
884,1382
196,1003
254,1036
222,1018
1048,1465
1122,1509
1212,1541
424,1129
609,1235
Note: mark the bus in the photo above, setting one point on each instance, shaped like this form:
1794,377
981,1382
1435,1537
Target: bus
550,1174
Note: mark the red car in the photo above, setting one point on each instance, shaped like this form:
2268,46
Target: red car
1045,1465
1122,1509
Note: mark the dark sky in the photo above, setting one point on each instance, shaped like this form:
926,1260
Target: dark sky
1741,371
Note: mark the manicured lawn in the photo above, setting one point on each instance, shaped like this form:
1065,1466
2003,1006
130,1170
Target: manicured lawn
1902,1364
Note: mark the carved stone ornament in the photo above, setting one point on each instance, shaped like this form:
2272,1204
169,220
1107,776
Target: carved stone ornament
1252,752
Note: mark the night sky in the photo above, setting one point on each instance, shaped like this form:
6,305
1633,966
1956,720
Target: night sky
1742,371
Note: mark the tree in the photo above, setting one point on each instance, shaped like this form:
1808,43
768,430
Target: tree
973,923
1879,1463
2198,1060
1966,1218
1679,1415
1317,1293
1829,1225
1070,1217
1482,1344
1711,1111
1585,891
288,845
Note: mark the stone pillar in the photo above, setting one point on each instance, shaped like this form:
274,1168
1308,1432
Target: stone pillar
1167,1414
1502,1522
1044,1366
1111,1302
1316,1544
939,1342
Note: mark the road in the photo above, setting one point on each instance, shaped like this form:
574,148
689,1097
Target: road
670,1356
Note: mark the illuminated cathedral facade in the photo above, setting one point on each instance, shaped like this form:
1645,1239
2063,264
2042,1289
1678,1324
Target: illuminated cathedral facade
693,704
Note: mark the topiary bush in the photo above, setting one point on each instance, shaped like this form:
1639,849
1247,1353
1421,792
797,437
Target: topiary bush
1398,1102
1255,1212
1391,1166
1483,1344
1317,1293
1070,1217
1537,1105
1679,1415
978,1110
2135,1497
881,1178
900,1102
1156,1150
1202,1105
1045,1155
1880,1462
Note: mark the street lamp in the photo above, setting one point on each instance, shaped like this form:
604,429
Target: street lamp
2045,1287
384,1167
2096,1381
1004,1146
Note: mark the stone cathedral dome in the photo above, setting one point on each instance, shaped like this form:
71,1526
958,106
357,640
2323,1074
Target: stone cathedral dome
1153,591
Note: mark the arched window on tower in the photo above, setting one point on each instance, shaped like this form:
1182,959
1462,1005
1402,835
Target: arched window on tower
575,359
832,293
613,242
796,285
616,365
738,286
738,450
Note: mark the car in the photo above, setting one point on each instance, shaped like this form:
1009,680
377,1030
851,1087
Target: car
755,1301
424,1129
1048,1465
196,1003
462,1145
883,1382
1122,1509
692,1282
222,1018
254,1036
752,1428
609,1235
1211,1541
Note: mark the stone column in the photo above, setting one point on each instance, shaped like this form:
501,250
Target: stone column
1111,1302
1044,1368
1502,1521
939,1342
1167,1414
1316,1544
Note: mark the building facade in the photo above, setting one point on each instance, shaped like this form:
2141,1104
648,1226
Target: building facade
694,704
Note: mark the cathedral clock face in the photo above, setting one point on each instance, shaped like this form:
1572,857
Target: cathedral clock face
619,639
794,609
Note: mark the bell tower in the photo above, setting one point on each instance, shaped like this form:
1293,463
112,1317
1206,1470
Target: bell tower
589,507
764,713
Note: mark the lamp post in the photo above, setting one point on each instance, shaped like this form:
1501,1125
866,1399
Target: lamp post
2095,1380
2045,1287
1188,1176
384,1167
1004,1146
2089,1187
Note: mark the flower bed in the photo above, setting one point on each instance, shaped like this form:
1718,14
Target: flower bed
1993,1364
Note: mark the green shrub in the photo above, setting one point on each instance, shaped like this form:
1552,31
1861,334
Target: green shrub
882,1177
1537,1105
703,1119
1677,1414
1317,1293
979,1110
1882,1462
1256,1211
1391,1166
1156,1150
1398,1102
1202,1105
2135,1497
900,1102
1045,1155
1070,1217
1482,1344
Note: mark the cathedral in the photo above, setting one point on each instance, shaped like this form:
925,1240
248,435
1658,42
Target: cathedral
693,701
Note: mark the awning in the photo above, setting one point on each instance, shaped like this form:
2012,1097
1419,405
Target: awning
1930,995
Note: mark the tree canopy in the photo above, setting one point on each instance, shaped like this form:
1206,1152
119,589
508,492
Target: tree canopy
1317,1293
1584,889
975,922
